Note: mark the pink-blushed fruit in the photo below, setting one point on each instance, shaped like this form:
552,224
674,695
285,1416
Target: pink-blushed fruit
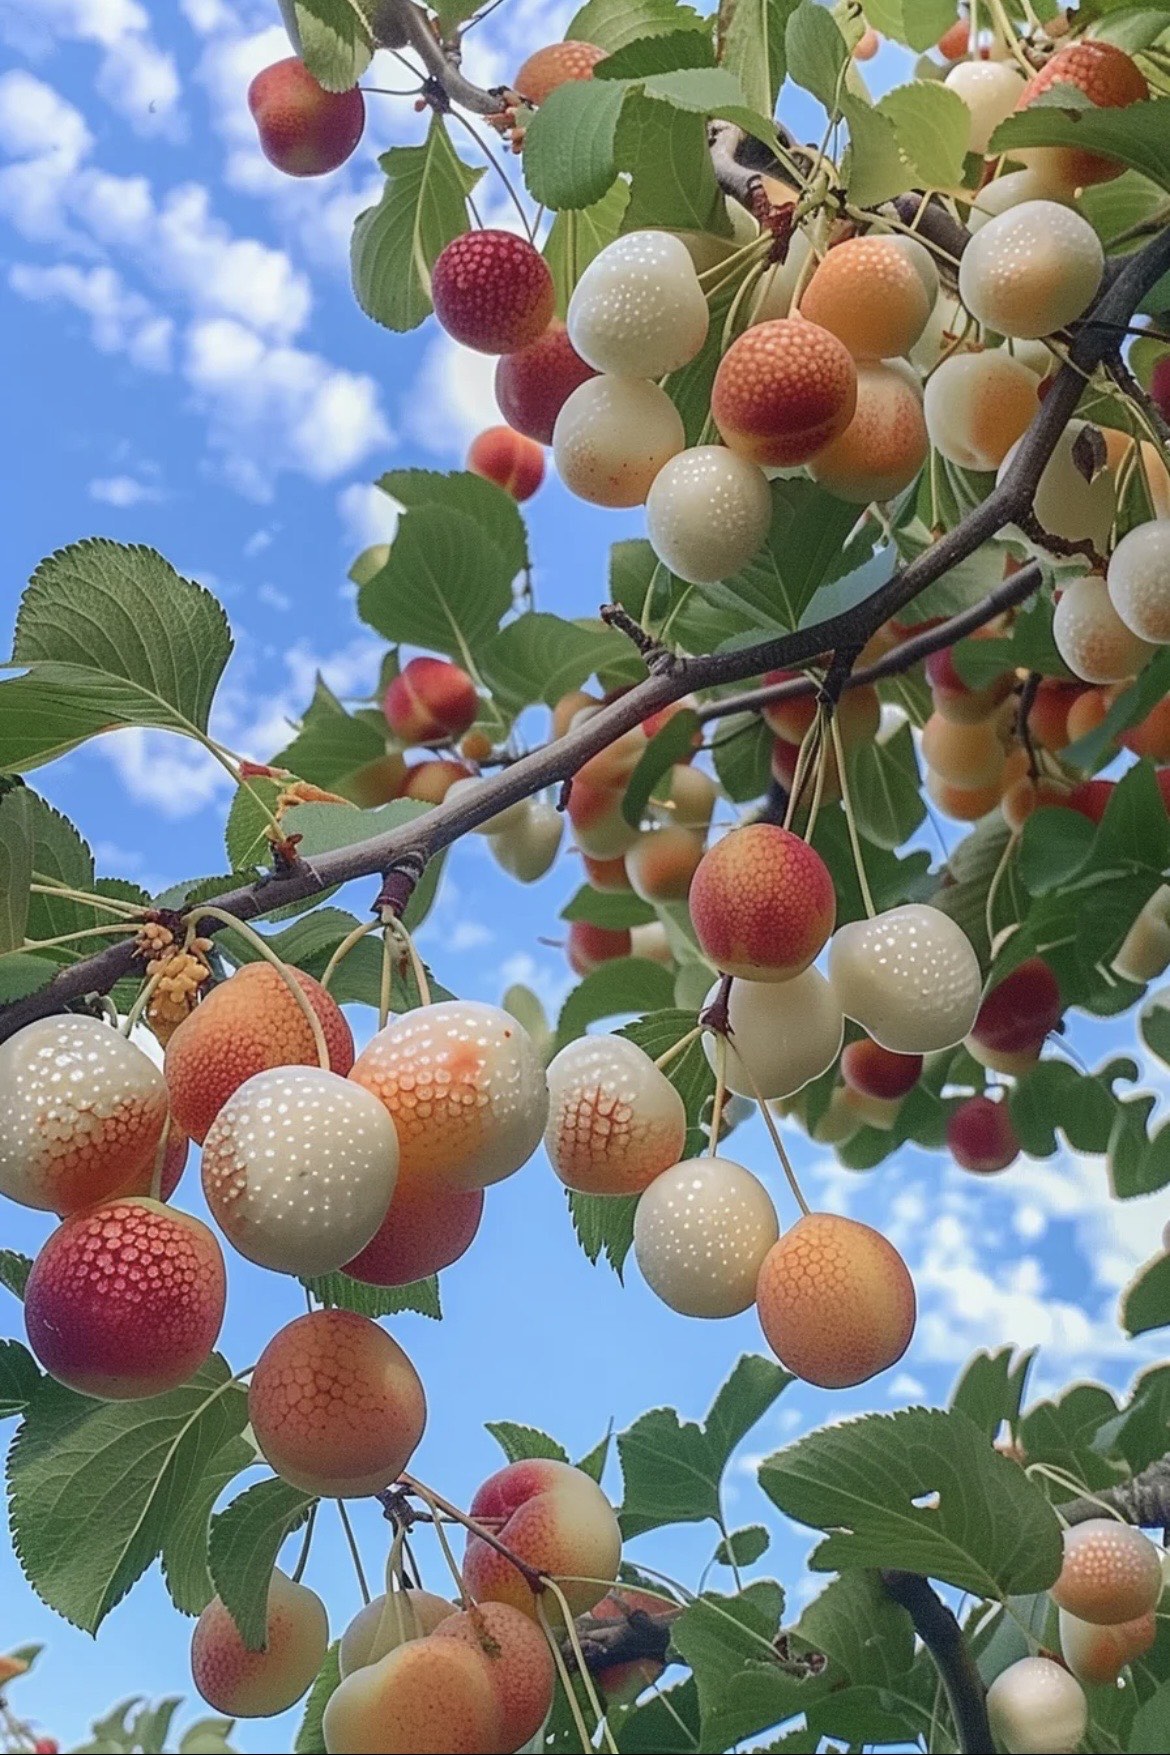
623,1682
546,69
492,291
298,1169
867,45
514,462
963,754
247,1024
388,1621
590,946
427,1228
1032,270
126,1299
1018,1013
991,90
82,1114
1048,714
859,713
662,863
607,875
430,782
762,903
1091,637
977,405
980,1135
1160,386
377,782
952,45
611,438
783,1034
1110,79
638,309
1139,581
431,700
335,1404
868,293
1151,736
1091,798
884,446
701,1230
557,1520
873,1071
259,1684
1111,1573
615,1122
304,130
1036,1708
595,816
836,1301
783,390
909,977
708,513
964,804
518,1659
954,698
880,1112
465,1088
428,1697
534,383
1097,1655
1026,795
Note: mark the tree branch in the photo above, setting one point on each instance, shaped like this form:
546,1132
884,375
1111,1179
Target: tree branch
636,1635
943,1638
1144,1500
442,65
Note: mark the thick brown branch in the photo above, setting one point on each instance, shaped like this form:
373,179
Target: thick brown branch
439,63
637,1635
943,1638
1144,1500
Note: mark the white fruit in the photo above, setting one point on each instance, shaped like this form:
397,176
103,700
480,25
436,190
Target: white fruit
1036,1708
1145,950
1097,1655
990,90
388,1621
885,444
909,977
528,849
615,1122
1065,504
612,437
1009,191
784,1033
1032,270
298,1169
775,288
977,405
503,821
701,1231
638,309
465,1088
707,513
1139,581
1092,638
650,941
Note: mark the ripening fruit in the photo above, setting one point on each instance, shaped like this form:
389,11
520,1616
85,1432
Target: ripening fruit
868,293
836,1301
775,288
784,762
1036,1708
595,815
503,821
492,291
783,390
1092,638
839,1121
544,70
427,1697
430,782
1048,714
611,767
662,863
783,1034
1111,1572
880,1112
611,438
388,1621
952,45
1032,270
762,903
651,942
1151,735
966,755
885,444
707,513
867,45
689,803
335,1405
1087,712
1145,950
977,405
701,1231
963,804
623,1682
638,309
873,1071
82,1115
1139,581
1090,798
615,1122
1009,191
304,130
519,1662
464,1087
1110,80
247,1024
534,383
909,977
259,1684
377,782
1065,503
514,462
991,90
1097,1655
1019,1012
556,1519
427,1227
859,713
431,700
954,698
528,848
125,1299
980,1135
590,946
298,1169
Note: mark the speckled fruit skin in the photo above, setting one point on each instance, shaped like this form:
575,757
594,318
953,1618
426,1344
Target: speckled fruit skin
909,977
1139,581
298,1169
622,1683
615,1122
1036,1708
836,1301
1098,1655
426,1229
762,903
335,1404
1031,270
555,1518
126,1300
638,309
430,700
1018,1013
81,1117
245,1025
590,946
259,1684
885,444
1110,80
554,65
783,390
534,383
611,438
428,1697
977,405
980,1136
701,1231
514,462
874,1071
783,1034
388,1621
708,513
304,130
519,1662
492,291
1111,1572
465,1089
1091,637
868,294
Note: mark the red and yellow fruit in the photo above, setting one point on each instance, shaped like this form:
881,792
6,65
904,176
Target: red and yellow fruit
836,1301
1110,79
783,390
762,903
546,69
518,1660
615,1121
557,1520
259,1684
1111,1573
304,130
430,700
867,293
506,457
980,1135
427,1697
534,383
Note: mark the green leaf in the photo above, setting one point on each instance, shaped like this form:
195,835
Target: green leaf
991,1388
569,145
1145,1302
743,1687
578,235
445,586
1055,844
916,23
540,657
665,1722
339,1292
310,1739
817,53
95,1486
884,788
604,1225
1154,1024
1063,1434
1138,135
611,24
109,635
1130,707
518,1443
673,743
396,244
14,1271
805,551
933,125
16,868
865,1690
985,1527
751,34
875,168
245,1542
612,908
336,45
185,1544
333,746
325,827
626,984
742,754
594,1461
20,1378
664,151
1151,1724
743,1547
495,511
660,52
689,1071
245,841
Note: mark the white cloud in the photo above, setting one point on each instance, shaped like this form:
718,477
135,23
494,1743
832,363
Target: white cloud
452,399
468,935
274,598
135,76
258,542
121,321
367,514
123,491
48,139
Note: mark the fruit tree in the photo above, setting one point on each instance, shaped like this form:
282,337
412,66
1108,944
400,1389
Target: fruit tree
896,404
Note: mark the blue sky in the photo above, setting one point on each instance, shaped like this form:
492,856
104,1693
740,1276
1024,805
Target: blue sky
186,368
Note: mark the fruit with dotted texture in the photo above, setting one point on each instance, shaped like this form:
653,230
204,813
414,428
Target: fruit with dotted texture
615,1121
977,405
762,903
836,1301
1110,79
783,1034
783,390
492,290
1032,270
1097,1655
555,65
1092,638
1036,1708
637,309
1065,504
885,444
909,977
991,90
1111,1572
1138,578
611,438
701,1231
259,1684
534,383
388,1621
519,1662
305,131
867,293
707,513
557,1520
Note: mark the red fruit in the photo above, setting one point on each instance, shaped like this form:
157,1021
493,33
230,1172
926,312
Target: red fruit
784,759
783,390
1110,79
875,1071
953,698
1019,1011
430,782
556,1519
762,903
1048,716
514,462
534,383
427,1227
590,946
492,291
1090,797
304,129
1162,776
1160,386
552,66
430,701
980,1135
45,1746
952,45
126,1300
859,713
1151,737
609,875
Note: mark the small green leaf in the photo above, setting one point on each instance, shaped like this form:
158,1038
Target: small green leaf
325,827
396,244
1145,1302
185,1544
578,235
14,1271
336,45
570,143
310,1738
16,867
1154,1024
1138,135
664,152
916,23
611,24
518,1443
751,37
1151,1723
604,1224
340,1292
245,1542
818,54
884,788
675,742
742,754
20,1378
495,511
540,657
445,586
875,169
1055,844
611,908
933,125
333,747
626,984
253,805
729,1644
594,1461
991,1388
743,1547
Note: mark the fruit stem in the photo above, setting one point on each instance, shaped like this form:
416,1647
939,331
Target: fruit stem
769,1121
582,1667
678,1047
814,809
535,1580
347,944
993,887
303,1556
128,911
160,1153
498,167
343,1514
566,1680
141,1000
854,840
394,925
386,978
66,938
720,1095
205,911
448,1556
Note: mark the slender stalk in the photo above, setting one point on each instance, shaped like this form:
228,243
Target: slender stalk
582,1667
355,1553
306,1544
943,1638
770,1123
344,948
678,1047
208,911
854,838
720,1095
566,1680
129,911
